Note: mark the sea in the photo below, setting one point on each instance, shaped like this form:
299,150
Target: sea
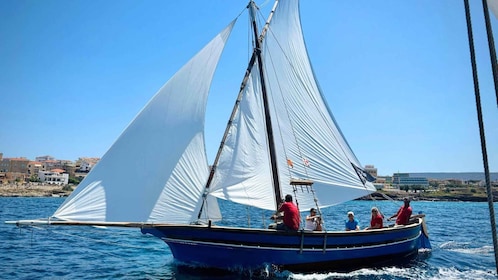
459,232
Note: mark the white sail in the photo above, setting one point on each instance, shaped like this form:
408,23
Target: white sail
243,175
309,135
157,168
304,130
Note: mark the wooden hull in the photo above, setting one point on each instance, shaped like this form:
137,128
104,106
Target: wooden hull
243,249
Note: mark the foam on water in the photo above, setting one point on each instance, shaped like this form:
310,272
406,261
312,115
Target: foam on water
402,273
465,247
455,274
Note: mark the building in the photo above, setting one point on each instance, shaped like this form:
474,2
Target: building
401,180
50,164
21,170
54,176
370,169
44,158
86,164
34,167
18,165
70,168
13,169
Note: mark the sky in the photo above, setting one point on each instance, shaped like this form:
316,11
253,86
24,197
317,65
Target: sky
396,74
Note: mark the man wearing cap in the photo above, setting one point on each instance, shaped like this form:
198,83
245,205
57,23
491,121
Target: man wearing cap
351,222
403,213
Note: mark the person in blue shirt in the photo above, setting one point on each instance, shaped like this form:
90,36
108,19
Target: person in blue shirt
351,222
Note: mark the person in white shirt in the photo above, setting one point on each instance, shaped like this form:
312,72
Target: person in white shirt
313,222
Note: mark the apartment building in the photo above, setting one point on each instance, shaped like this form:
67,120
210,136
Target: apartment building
55,176
404,179
13,169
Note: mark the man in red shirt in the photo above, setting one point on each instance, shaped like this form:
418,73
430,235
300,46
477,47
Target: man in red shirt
404,213
292,218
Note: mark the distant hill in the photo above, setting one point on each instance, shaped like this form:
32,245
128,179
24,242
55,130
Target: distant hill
456,175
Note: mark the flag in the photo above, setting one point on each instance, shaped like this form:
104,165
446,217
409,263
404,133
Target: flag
289,163
306,162
364,176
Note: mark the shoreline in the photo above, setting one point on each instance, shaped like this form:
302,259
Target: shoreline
50,190
34,190
428,196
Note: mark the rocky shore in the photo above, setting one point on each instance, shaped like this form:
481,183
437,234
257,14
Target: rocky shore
34,190
432,196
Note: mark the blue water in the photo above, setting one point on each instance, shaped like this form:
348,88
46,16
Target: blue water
460,235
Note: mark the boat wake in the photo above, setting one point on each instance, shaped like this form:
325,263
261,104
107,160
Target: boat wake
464,247
268,271
402,273
456,274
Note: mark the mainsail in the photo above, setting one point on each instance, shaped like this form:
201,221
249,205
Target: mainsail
156,169
309,143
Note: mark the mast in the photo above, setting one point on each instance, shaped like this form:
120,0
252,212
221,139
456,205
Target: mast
234,111
225,135
269,130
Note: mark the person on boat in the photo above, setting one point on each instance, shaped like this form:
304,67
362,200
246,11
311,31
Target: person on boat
313,222
351,222
291,217
404,213
376,220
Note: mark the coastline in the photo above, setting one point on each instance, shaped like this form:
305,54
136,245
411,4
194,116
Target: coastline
34,190
431,196
50,190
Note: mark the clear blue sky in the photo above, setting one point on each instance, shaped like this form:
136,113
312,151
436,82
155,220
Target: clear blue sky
396,74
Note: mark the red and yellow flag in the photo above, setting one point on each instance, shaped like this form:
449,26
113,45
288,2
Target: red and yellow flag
289,163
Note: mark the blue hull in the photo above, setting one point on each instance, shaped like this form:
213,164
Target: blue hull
242,248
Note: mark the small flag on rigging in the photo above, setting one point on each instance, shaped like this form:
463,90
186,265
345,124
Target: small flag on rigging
289,163
306,162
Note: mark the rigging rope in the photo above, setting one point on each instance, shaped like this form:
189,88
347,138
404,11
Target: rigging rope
298,145
481,122
317,107
269,56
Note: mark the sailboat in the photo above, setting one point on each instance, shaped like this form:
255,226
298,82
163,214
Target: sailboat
281,138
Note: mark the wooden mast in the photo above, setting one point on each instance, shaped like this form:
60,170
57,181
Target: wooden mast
234,111
269,130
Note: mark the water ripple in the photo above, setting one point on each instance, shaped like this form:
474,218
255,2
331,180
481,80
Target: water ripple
96,253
